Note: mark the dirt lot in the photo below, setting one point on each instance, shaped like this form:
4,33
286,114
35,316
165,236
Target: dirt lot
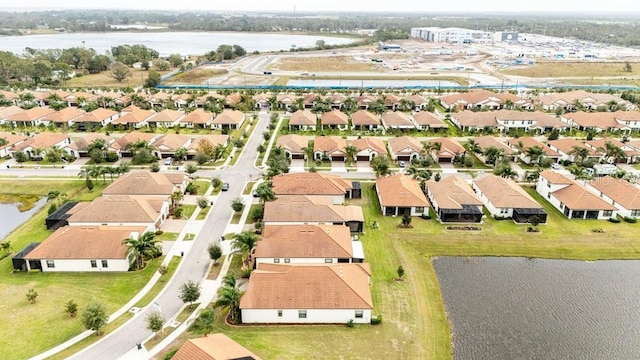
574,69
324,64
195,76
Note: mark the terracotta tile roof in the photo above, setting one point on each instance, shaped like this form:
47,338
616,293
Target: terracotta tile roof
214,140
171,142
584,96
365,100
118,209
198,116
233,99
82,143
566,145
472,97
452,192
405,145
133,137
79,242
370,143
529,142
487,141
81,94
310,183
329,144
425,118
555,178
9,95
286,98
213,347
390,100
134,117
12,139
310,99
292,142
619,190
334,117
480,119
32,114
364,117
300,208
142,183
417,99
400,190
303,117
304,241
97,115
166,115
65,115
340,286
7,112
41,141
448,147
574,195
504,193
539,119
626,116
601,120
396,119
228,116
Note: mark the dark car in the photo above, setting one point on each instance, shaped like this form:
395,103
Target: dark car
225,186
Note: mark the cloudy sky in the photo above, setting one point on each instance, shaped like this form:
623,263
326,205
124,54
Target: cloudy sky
335,5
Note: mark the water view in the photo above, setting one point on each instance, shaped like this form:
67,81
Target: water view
371,83
516,308
166,43
11,217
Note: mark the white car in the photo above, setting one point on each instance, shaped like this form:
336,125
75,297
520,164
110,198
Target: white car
168,161
555,166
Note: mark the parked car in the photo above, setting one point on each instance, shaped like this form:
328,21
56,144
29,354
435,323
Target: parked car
168,161
555,166
401,164
225,186
255,193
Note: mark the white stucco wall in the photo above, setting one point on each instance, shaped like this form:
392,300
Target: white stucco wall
85,265
296,261
314,316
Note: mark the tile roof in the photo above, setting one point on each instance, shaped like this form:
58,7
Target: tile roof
166,115
31,114
475,97
396,119
136,116
425,118
7,112
228,116
364,117
117,209
65,115
334,117
400,190
452,192
487,141
80,242
417,99
340,286
329,144
82,143
214,140
574,195
310,183
292,142
565,145
41,141
304,241
171,142
529,142
448,147
97,115
504,193
619,190
198,116
405,144
213,347
133,137
143,183
12,139
370,143
302,117
570,96
301,208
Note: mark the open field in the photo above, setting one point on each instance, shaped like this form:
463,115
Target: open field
30,329
194,76
137,78
574,69
314,64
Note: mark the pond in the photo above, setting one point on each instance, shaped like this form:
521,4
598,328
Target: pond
166,43
516,308
11,217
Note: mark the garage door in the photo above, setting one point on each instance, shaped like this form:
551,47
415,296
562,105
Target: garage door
337,158
297,156
404,158
363,158
445,160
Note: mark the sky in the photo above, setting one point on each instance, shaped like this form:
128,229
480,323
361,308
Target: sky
335,5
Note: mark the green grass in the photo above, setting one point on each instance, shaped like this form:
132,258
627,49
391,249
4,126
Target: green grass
202,186
477,164
215,269
203,213
187,211
167,236
155,290
184,314
236,216
248,187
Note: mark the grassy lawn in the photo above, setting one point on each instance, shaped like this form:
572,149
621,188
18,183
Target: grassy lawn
215,269
477,164
236,216
138,76
167,236
203,213
155,290
184,314
187,211
248,187
202,186
574,69
194,76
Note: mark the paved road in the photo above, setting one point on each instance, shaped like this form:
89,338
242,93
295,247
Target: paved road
196,261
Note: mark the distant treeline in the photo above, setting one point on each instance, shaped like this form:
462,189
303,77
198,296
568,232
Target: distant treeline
614,29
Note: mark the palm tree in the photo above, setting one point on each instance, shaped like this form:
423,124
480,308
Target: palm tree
229,280
350,151
504,170
97,146
141,248
176,197
181,154
535,153
3,141
229,300
493,155
579,153
381,166
308,153
218,152
472,147
265,192
244,242
378,107
612,152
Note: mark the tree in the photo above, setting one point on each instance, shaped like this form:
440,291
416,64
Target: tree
119,72
71,308
191,169
32,295
472,147
437,177
181,154
265,192
204,323
141,248
215,252
579,153
555,135
612,151
153,79
94,317
400,272
627,67
5,246
176,197
237,204
229,300
162,270
155,322
154,167
229,280
350,152
380,166
535,153
493,155
504,170
189,292
97,150
175,60
320,44
202,202
406,219
244,242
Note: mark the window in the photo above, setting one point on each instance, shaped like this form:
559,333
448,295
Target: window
607,213
94,264
51,264
279,313
276,261
328,261
105,264
561,206
286,261
302,314
359,314
419,209
635,213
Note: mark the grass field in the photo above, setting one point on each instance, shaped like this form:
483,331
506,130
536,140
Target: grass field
194,76
29,329
574,69
323,63
137,78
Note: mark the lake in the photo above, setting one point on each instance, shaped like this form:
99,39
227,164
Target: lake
516,308
11,217
166,43
371,83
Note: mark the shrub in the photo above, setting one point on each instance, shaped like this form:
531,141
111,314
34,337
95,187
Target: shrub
614,220
203,202
171,354
159,232
350,323
376,320
426,216
246,273
630,220
257,213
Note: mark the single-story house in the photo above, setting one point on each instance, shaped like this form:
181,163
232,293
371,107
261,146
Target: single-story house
523,146
121,210
392,102
504,198
308,294
485,142
453,200
229,119
213,347
368,148
11,141
399,194
64,117
96,118
306,244
134,117
483,99
91,248
332,147
166,118
167,145
397,120
303,120
35,146
80,146
148,184
566,148
364,101
197,118
417,101
30,117
425,120
567,100
9,111
286,101
365,120
293,145
622,194
445,150
405,148
131,138
301,209
573,199
334,119
313,184
206,141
